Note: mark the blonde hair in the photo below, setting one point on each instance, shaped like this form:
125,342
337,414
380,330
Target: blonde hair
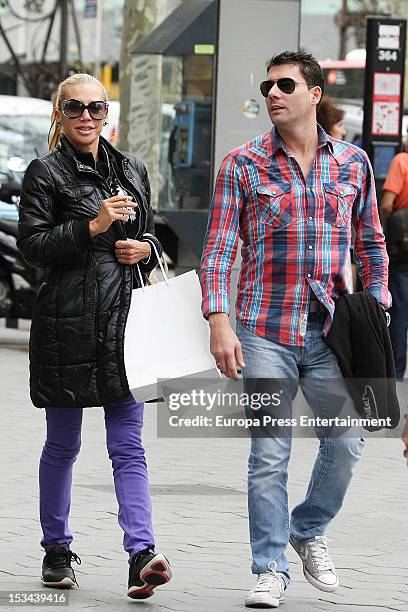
60,95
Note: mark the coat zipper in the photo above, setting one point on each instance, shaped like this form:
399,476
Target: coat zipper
91,271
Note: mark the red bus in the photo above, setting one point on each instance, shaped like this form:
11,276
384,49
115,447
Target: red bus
344,79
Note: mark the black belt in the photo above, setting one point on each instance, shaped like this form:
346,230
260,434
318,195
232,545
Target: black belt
316,307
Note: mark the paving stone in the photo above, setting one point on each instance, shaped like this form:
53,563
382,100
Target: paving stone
200,515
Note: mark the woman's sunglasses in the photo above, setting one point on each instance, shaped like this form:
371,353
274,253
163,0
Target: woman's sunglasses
287,85
72,109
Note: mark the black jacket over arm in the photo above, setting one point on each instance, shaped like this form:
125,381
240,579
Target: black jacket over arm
360,340
78,324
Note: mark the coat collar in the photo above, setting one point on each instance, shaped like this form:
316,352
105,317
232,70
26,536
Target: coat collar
86,159
66,150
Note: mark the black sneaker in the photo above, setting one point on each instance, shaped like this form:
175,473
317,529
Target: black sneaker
56,568
146,572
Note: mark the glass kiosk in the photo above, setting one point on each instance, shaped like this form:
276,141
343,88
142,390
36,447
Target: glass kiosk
211,56
186,42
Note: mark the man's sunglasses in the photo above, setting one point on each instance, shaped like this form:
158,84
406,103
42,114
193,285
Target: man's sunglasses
73,109
286,85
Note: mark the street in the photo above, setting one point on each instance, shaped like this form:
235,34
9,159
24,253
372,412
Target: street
199,500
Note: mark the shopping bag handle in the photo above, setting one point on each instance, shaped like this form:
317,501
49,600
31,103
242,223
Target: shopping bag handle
166,279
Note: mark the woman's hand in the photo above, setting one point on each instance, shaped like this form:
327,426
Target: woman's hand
112,209
131,251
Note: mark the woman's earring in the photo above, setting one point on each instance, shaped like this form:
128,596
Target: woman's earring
105,122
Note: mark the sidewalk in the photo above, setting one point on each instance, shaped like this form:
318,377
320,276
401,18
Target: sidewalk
200,516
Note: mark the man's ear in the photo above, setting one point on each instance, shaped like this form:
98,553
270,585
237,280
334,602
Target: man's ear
316,95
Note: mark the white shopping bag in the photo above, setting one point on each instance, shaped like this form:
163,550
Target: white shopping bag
166,336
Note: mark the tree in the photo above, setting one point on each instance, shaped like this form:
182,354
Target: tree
140,17
353,16
140,78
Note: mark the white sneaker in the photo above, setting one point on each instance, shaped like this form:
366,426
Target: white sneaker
268,591
318,567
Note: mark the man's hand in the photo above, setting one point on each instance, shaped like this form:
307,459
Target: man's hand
225,346
131,251
387,205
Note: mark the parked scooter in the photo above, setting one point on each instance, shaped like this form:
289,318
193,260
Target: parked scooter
18,281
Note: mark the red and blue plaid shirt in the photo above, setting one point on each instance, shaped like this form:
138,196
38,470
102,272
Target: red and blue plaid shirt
295,234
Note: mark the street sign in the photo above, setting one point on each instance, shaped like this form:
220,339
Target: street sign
383,93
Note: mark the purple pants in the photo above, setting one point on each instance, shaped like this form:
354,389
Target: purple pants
123,422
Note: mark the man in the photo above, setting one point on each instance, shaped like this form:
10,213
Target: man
291,195
395,197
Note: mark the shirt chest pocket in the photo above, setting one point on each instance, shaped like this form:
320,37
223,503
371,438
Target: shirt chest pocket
338,206
275,204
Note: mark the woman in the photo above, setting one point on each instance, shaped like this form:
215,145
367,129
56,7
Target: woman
86,218
331,118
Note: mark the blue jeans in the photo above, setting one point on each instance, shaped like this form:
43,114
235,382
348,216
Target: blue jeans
268,461
398,286
123,422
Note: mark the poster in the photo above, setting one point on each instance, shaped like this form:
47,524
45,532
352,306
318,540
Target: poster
386,104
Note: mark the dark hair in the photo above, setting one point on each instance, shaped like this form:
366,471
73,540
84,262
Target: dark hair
308,66
328,114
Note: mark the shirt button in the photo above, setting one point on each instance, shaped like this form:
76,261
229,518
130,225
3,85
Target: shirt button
310,247
310,218
309,276
273,192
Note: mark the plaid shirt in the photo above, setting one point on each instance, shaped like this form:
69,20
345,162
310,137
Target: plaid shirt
295,234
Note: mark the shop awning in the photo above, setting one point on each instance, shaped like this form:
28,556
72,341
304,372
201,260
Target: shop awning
193,22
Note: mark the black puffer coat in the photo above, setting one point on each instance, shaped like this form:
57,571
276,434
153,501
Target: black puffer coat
77,330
